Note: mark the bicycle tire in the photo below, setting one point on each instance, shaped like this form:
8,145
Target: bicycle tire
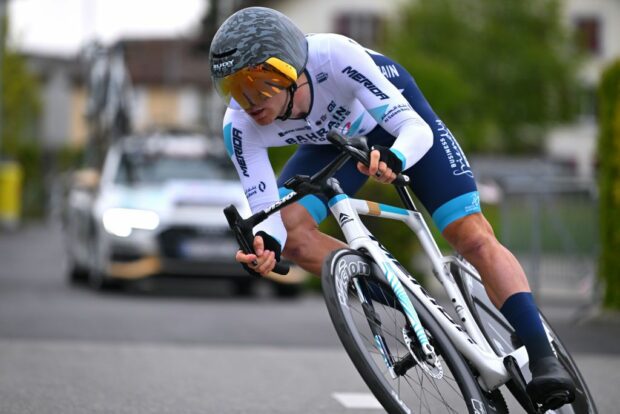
339,272
491,321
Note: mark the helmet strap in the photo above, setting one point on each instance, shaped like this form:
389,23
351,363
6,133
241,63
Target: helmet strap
289,106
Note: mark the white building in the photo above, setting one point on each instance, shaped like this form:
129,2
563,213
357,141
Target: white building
596,23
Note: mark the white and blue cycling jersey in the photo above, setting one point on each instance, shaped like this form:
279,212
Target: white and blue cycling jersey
357,92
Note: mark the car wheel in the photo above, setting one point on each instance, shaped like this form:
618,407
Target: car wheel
287,290
97,279
244,287
75,273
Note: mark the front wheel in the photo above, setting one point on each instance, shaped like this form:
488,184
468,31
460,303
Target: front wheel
358,302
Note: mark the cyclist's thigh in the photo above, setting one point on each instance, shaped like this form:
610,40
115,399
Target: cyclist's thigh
309,159
442,180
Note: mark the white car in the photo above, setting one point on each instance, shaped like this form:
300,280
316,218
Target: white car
157,209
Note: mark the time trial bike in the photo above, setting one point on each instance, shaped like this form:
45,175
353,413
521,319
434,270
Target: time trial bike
415,355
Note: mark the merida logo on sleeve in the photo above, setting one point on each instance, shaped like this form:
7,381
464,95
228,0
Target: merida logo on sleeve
358,77
238,148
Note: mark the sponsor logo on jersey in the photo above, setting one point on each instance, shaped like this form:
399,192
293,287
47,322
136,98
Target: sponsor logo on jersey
304,128
454,153
389,71
474,206
309,138
335,117
237,141
252,190
358,77
321,77
395,110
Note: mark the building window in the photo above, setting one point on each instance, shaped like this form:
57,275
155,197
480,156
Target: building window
588,107
365,28
588,34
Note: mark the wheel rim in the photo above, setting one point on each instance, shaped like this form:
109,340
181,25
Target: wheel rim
417,388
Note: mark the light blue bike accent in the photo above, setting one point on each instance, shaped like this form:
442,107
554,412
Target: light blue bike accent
312,203
457,208
392,209
382,350
336,199
405,302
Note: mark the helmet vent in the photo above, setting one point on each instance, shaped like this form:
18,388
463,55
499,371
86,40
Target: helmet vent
224,54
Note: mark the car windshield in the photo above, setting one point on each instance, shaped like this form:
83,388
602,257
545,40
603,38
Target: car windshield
136,169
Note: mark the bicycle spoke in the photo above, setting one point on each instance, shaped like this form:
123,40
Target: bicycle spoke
416,385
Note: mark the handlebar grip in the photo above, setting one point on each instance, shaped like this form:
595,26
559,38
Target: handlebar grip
237,225
245,237
281,268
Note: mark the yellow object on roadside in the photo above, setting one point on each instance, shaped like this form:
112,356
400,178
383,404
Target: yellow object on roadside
10,193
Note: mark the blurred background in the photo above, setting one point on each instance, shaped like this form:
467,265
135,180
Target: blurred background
517,83
113,177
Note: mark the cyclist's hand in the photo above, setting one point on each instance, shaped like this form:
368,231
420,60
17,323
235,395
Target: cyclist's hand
262,262
386,175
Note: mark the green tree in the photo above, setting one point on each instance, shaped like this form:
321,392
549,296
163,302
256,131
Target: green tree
498,72
609,183
19,101
20,106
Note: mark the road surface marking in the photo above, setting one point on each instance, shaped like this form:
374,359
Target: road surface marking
357,400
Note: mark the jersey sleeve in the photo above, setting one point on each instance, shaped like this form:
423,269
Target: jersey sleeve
245,147
358,76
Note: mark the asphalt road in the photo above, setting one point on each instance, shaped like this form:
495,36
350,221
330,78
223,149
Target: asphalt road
191,347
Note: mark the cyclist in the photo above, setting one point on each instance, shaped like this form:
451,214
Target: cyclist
284,88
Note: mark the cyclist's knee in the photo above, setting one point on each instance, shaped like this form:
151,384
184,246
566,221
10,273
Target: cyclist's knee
302,232
471,235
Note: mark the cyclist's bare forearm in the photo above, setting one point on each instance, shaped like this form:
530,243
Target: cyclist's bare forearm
307,246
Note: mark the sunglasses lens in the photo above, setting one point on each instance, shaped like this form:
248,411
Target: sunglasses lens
253,85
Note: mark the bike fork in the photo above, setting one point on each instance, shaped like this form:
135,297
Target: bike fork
410,313
375,326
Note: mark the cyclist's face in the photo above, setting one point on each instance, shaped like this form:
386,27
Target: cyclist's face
265,112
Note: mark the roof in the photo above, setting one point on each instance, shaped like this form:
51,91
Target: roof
165,62
45,65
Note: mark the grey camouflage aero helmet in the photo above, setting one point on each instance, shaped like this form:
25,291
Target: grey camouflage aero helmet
263,42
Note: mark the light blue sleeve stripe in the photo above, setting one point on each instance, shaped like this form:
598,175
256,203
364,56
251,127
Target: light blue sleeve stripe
457,208
392,209
400,156
314,205
336,199
228,139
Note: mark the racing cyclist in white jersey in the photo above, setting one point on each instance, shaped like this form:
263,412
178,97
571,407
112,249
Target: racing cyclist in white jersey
285,88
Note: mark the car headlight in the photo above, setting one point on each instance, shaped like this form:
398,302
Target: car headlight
121,221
